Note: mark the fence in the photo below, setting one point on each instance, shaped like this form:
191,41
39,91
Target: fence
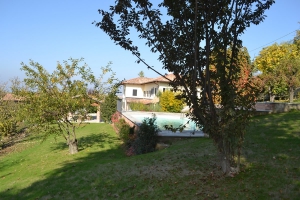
272,107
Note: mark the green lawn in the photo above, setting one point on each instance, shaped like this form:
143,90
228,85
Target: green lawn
185,170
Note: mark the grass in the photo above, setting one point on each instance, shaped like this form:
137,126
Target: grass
185,170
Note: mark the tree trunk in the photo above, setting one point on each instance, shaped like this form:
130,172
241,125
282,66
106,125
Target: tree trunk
225,164
291,94
272,98
73,147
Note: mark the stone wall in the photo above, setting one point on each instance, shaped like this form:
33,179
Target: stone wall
272,107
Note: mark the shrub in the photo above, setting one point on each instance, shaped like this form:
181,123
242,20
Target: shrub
147,136
8,118
115,117
8,127
126,133
170,103
155,108
138,106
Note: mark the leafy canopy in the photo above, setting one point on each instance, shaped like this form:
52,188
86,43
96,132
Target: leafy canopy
280,67
54,102
169,102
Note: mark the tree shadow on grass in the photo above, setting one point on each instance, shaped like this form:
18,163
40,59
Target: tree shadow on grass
272,150
67,182
268,136
276,129
274,134
92,140
74,175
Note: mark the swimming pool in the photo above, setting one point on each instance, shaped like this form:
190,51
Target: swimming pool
162,119
175,121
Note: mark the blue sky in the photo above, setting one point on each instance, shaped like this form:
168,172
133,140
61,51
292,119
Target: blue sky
54,30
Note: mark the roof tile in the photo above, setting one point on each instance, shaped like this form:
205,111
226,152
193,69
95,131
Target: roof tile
144,80
139,80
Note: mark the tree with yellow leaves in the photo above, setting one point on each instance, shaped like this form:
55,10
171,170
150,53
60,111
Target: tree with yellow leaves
170,103
280,67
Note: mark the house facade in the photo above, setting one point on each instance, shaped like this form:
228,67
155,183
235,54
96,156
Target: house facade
144,90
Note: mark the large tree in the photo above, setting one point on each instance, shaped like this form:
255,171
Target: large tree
57,102
279,64
185,34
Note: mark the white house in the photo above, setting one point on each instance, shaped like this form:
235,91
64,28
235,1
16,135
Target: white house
144,89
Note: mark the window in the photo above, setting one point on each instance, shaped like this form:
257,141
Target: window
152,91
164,89
134,92
155,91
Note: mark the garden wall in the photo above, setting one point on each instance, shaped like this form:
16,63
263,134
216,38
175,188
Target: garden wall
272,107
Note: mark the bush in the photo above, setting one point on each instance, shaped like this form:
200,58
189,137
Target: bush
126,133
144,141
115,117
8,118
138,106
170,103
155,108
147,136
8,127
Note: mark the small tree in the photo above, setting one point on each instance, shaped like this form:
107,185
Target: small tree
141,74
54,102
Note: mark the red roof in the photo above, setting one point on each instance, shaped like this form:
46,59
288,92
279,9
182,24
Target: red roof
142,100
11,97
139,80
163,79
144,80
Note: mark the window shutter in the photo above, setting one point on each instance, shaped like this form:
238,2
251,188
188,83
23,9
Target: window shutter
134,92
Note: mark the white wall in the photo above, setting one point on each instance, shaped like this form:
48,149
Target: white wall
149,87
164,85
129,90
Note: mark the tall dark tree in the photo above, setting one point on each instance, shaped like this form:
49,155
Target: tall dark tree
185,40
109,106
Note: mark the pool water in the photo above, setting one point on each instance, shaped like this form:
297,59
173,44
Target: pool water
175,121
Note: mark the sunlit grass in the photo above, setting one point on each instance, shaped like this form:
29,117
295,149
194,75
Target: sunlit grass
186,170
